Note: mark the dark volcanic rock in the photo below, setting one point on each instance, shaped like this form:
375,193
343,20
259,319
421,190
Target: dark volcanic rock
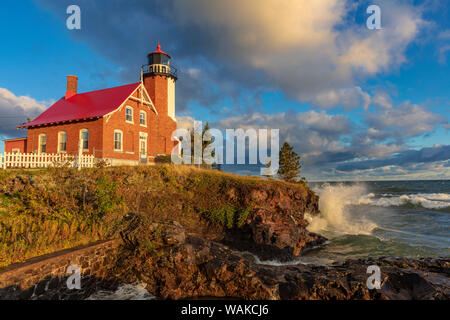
276,228
199,267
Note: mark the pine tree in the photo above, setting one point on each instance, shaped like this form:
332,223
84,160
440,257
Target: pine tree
204,145
289,164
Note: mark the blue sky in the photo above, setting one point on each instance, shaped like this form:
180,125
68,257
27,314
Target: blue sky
345,96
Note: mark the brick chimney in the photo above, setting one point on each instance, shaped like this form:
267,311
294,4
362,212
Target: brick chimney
71,86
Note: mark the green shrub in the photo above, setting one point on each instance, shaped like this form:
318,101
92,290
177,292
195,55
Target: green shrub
227,216
106,195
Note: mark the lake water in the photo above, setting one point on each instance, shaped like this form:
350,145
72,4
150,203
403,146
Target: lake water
384,218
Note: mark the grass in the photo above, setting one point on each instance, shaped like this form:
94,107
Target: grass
42,211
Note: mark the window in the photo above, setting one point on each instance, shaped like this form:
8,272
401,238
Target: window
129,114
118,140
42,143
143,144
84,137
62,141
15,150
143,118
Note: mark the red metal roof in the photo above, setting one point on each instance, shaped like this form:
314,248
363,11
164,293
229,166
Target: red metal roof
86,105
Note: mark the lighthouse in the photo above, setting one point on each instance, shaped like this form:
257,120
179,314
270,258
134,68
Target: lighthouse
159,79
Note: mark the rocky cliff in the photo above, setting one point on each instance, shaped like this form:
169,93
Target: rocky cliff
186,232
275,227
181,266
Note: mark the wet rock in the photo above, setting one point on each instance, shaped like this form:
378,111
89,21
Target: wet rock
199,267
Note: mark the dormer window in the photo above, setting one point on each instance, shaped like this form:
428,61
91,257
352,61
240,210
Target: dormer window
129,114
143,118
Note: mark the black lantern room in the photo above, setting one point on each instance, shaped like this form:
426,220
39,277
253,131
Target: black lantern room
159,64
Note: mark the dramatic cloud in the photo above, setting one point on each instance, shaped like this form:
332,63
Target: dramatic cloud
332,144
314,51
429,156
311,50
315,135
14,110
405,121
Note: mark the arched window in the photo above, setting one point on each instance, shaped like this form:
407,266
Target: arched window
143,118
42,143
129,114
62,141
84,137
118,140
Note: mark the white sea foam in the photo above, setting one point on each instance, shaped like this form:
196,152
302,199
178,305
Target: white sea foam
335,200
124,292
426,200
274,263
334,215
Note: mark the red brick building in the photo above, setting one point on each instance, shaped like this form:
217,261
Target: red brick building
126,124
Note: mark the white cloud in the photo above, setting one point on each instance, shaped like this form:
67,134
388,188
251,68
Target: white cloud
185,122
383,100
404,121
349,98
14,110
312,134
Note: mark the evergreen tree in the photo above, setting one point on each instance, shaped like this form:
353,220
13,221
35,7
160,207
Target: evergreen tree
289,164
204,145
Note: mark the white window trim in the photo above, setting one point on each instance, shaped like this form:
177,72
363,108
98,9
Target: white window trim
145,136
145,113
81,136
59,142
132,114
121,141
15,150
40,143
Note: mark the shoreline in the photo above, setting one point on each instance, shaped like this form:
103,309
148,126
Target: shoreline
184,232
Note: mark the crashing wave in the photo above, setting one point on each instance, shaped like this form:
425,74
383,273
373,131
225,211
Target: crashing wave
124,292
425,200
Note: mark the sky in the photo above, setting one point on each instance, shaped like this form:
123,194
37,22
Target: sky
356,104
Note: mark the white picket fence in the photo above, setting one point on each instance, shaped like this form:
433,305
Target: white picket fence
34,160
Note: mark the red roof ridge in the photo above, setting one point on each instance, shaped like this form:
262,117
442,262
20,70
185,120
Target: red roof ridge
86,105
117,87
